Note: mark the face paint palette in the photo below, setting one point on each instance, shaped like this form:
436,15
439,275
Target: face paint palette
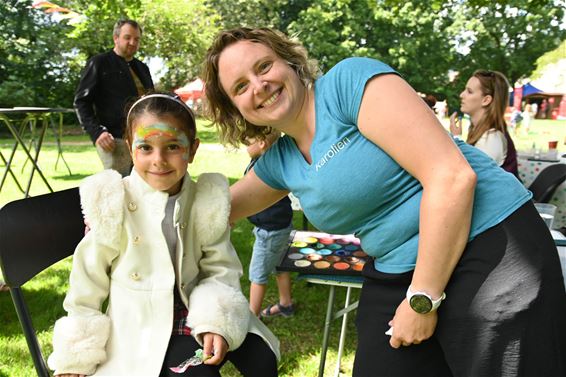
322,253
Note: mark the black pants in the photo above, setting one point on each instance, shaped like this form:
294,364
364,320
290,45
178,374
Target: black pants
253,358
504,313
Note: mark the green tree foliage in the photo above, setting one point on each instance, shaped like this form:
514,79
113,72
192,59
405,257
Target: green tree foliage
179,32
35,66
508,36
549,58
41,58
258,13
425,40
94,34
410,36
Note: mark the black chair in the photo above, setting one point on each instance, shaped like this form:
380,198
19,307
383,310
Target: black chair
35,233
546,183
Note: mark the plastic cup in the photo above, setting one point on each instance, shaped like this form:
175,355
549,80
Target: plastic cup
546,211
553,144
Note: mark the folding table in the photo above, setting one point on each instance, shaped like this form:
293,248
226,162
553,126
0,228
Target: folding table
35,120
331,250
334,281
528,170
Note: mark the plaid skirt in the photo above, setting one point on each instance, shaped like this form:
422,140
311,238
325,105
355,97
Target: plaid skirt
180,314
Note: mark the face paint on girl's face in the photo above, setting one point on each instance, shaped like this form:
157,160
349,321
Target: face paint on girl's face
161,151
159,130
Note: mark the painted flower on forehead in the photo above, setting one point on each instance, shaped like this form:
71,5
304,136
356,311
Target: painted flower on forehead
160,129
143,134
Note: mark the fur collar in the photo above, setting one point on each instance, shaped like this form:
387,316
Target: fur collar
103,196
211,207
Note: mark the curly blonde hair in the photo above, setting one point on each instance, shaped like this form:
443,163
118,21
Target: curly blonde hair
232,126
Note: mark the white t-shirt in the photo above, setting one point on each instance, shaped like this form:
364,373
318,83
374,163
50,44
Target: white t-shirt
494,144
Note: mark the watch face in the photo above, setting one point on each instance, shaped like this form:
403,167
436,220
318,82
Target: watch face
421,304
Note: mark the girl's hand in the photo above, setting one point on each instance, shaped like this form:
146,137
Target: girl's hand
87,225
410,327
214,345
70,375
455,124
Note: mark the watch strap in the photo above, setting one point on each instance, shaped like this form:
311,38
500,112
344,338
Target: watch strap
435,303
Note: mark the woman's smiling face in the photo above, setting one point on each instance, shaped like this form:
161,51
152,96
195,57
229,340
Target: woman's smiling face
262,86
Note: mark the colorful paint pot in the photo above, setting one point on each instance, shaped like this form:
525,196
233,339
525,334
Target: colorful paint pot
352,260
333,258
310,240
358,266
307,250
326,241
333,246
295,256
360,254
299,244
314,257
302,263
324,252
341,266
351,247
321,264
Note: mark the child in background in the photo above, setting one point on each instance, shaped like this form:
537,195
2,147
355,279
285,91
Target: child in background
272,228
159,250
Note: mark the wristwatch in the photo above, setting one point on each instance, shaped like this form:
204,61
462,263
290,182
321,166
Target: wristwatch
422,302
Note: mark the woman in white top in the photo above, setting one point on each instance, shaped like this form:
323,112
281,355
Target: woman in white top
484,99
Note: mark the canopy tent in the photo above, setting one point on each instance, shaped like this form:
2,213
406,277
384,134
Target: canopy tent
192,91
551,100
529,89
548,90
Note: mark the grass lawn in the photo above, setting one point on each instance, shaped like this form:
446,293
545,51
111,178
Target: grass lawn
300,336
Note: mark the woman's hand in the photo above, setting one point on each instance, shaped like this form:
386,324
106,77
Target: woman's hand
214,345
410,327
455,124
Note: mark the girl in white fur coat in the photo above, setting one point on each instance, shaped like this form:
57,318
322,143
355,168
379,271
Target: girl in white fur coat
159,248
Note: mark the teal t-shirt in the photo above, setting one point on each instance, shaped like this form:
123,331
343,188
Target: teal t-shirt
353,186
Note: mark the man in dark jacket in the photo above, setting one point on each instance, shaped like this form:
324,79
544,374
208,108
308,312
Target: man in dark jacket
109,82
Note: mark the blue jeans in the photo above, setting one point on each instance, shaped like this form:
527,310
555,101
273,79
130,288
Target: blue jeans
269,247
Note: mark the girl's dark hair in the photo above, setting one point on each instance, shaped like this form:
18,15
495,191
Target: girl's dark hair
161,104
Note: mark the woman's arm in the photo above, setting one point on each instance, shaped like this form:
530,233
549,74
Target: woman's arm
251,195
398,121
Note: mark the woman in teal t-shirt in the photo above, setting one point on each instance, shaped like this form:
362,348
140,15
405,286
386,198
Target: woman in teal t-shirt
443,222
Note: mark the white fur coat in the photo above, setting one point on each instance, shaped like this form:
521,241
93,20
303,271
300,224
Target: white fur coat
125,258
